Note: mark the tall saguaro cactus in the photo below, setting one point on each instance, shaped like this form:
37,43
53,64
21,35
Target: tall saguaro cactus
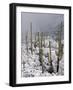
49,56
31,37
50,59
44,39
59,52
41,52
41,39
41,56
26,38
38,39
35,41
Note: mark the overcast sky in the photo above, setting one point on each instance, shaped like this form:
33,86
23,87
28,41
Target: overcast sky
40,22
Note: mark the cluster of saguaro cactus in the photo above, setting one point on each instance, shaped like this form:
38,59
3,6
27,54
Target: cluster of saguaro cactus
40,42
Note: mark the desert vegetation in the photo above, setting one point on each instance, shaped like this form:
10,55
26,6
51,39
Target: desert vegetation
42,55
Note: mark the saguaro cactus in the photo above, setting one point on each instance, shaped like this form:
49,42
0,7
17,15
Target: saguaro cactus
41,39
44,39
41,52
31,37
49,58
35,41
59,52
40,49
38,40
26,38
40,55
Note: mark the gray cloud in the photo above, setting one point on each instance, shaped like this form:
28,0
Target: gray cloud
40,22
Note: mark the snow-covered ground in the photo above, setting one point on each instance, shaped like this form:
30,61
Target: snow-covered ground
31,65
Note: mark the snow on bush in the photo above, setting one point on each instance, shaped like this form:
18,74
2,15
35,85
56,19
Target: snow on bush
31,65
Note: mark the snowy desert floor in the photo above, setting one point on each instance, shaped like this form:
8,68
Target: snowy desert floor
31,67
